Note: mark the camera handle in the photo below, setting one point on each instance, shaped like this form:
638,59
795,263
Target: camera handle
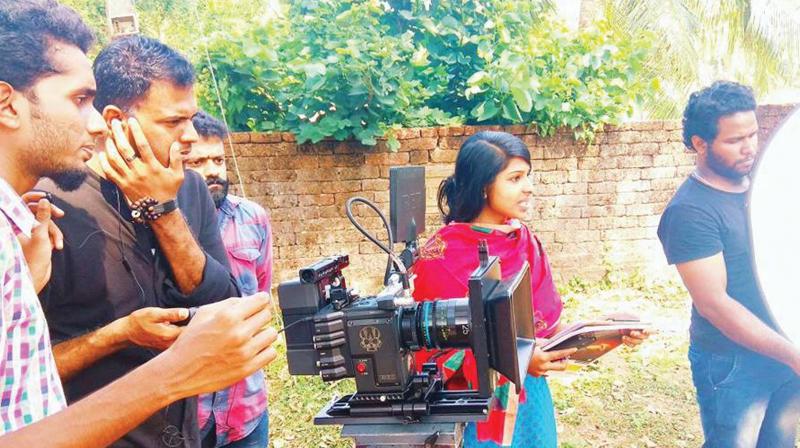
393,435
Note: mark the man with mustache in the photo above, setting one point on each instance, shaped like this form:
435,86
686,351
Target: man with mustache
235,417
48,126
744,371
139,234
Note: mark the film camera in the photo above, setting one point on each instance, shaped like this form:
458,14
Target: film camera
333,332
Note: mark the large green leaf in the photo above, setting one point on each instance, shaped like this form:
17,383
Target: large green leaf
523,98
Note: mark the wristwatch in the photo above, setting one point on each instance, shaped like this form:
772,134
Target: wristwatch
147,209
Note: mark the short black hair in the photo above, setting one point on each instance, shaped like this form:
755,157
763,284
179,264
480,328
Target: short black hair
461,197
126,68
208,126
707,106
28,28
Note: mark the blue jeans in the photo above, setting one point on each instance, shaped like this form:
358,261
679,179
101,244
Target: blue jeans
258,438
746,401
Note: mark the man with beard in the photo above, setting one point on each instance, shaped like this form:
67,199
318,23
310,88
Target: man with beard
138,234
744,371
48,127
237,416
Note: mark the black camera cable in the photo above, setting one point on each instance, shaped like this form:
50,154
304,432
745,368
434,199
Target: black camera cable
393,258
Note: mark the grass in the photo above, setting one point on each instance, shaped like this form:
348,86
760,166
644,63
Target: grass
630,398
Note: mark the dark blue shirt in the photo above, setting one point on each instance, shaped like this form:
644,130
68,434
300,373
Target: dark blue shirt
699,222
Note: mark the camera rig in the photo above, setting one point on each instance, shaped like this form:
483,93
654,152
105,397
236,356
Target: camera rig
335,333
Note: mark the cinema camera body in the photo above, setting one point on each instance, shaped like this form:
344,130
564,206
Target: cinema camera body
333,332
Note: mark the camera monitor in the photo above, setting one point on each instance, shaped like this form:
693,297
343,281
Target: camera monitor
511,304
407,202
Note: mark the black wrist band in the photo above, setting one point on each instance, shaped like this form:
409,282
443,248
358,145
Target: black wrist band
147,209
163,208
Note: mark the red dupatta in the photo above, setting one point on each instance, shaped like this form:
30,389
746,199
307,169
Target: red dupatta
443,269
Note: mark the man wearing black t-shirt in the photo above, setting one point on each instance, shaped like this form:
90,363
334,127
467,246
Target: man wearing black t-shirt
744,370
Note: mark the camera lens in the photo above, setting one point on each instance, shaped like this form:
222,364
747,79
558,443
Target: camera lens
437,324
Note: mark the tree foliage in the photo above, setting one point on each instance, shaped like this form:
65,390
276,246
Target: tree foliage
365,68
700,41
342,69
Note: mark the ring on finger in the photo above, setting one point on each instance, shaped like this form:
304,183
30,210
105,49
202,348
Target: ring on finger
131,158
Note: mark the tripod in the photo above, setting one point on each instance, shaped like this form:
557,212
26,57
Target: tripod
397,435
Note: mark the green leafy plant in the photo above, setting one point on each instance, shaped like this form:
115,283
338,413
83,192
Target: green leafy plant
555,79
362,69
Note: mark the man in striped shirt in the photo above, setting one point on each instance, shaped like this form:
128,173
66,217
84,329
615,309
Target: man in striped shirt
237,416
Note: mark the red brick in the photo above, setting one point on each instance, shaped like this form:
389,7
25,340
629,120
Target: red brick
578,176
428,132
418,157
321,148
245,150
294,252
349,147
602,187
443,156
587,163
264,137
659,173
576,188
282,238
327,161
633,185
277,201
470,130
418,144
548,189
240,137
391,158
451,131
321,199
567,211
516,129
375,184
407,133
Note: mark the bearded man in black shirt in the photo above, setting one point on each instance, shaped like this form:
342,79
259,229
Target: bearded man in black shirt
744,370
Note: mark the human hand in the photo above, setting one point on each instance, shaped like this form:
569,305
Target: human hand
45,236
224,342
542,362
135,170
153,327
636,337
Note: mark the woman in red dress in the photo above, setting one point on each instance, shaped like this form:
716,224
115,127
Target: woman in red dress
485,199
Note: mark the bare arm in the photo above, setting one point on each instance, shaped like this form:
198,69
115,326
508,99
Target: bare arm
181,249
224,343
706,281
104,416
147,327
76,354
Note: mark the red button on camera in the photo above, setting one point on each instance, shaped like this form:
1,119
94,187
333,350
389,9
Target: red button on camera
361,367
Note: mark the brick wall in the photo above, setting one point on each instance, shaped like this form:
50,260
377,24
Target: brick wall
595,206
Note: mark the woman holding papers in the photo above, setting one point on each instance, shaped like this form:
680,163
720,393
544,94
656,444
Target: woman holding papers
485,199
